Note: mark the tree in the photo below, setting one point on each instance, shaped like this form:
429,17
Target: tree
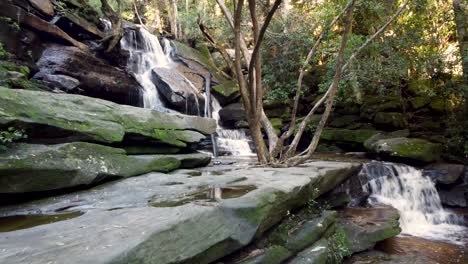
252,90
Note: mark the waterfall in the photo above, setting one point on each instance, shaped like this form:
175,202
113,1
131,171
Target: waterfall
234,141
415,197
145,54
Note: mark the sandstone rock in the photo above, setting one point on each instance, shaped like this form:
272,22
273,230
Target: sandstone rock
35,168
343,121
444,173
345,135
97,78
366,226
63,116
29,20
232,113
390,120
45,6
411,149
227,92
315,254
196,232
180,93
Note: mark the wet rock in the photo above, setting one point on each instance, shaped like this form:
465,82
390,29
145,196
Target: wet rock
177,91
456,196
444,173
315,254
97,78
29,20
35,168
196,232
232,113
65,116
409,149
59,81
364,227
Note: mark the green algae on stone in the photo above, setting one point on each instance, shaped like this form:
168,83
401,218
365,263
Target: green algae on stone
390,120
414,149
99,120
33,168
345,135
272,255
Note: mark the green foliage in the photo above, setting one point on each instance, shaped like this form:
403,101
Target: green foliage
11,135
3,52
338,246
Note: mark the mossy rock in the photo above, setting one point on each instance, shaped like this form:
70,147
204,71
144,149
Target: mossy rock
377,104
419,102
226,92
98,120
364,227
343,121
272,255
315,254
438,105
34,168
411,149
421,86
345,135
390,120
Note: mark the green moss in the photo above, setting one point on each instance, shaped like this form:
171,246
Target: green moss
391,120
272,255
417,149
230,90
346,135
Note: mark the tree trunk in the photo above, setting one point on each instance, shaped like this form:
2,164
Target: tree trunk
460,8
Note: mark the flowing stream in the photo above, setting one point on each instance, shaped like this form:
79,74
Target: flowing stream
146,54
415,197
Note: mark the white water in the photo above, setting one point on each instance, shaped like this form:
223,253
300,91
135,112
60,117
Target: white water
416,198
146,54
233,140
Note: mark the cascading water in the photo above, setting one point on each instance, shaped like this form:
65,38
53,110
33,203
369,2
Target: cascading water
146,54
233,140
415,197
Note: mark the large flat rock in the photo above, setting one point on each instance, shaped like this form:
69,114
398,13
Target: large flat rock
98,120
35,168
187,216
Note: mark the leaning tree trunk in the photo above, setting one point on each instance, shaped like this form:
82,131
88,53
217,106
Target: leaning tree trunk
460,8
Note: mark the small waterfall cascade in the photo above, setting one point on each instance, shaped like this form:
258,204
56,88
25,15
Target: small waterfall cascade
232,140
146,53
415,197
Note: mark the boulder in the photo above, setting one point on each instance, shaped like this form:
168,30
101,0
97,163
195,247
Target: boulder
411,149
456,196
298,235
202,230
315,254
63,116
438,105
29,20
226,92
63,82
390,120
421,87
444,173
97,78
178,91
35,168
232,113
364,227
